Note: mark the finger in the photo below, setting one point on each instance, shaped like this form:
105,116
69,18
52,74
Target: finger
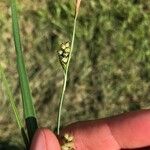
44,139
126,131
92,135
131,130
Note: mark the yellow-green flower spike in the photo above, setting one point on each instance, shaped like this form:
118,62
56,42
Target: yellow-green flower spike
63,54
68,143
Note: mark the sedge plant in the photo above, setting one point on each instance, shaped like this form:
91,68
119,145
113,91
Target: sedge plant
65,56
28,107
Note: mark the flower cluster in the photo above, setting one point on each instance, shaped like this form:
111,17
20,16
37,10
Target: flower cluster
63,54
68,143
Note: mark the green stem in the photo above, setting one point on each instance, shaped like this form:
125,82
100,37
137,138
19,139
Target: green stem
66,76
61,102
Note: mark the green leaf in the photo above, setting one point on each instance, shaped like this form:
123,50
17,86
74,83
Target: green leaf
10,97
12,102
28,108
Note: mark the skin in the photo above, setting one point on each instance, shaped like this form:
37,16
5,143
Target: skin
44,139
126,131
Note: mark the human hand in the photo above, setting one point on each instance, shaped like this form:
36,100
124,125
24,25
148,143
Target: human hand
126,131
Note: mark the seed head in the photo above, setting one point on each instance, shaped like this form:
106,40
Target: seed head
63,54
68,143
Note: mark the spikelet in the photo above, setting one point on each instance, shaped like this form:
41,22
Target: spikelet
63,54
68,143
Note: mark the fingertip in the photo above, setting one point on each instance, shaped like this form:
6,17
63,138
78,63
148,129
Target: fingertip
44,139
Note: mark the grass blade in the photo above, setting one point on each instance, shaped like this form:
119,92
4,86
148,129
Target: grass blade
12,102
29,112
10,97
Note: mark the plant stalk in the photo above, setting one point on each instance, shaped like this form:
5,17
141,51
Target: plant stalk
66,77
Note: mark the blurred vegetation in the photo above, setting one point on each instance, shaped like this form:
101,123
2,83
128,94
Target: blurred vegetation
110,69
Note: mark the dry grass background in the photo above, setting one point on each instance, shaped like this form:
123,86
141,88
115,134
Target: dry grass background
110,69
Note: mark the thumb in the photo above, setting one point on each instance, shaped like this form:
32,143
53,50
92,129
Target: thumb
44,139
126,131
